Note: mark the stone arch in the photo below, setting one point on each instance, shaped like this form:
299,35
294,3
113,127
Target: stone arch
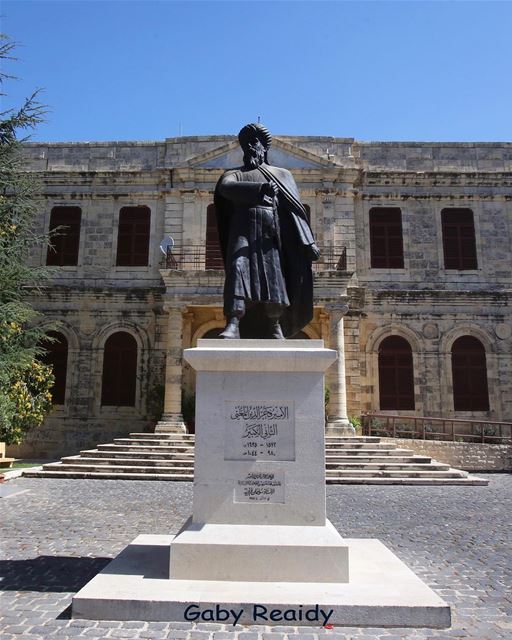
468,329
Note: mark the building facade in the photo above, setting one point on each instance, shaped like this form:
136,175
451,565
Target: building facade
413,289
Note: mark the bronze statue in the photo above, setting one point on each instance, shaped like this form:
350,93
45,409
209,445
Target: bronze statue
266,243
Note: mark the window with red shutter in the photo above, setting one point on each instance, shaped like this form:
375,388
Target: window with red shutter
386,240
469,373
459,244
396,375
65,241
133,237
213,257
119,370
57,357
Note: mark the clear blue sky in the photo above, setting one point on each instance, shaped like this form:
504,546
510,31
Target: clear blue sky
370,70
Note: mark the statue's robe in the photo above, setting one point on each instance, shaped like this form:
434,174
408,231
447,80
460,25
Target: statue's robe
263,248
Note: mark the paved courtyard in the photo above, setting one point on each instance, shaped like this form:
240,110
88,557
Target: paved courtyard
58,534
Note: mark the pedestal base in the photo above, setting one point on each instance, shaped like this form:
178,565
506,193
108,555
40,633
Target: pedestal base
382,592
262,553
171,423
340,429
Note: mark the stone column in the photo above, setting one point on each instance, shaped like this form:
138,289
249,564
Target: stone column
172,418
337,419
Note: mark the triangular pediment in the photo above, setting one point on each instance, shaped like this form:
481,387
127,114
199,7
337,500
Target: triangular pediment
281,154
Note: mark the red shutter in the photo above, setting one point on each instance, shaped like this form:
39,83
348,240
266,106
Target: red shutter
396,375
213,257
65,241
57,357
469,372
386,240
133,237
459,244
119,370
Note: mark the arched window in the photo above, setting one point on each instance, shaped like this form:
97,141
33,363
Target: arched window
396,376
469,372
213,257
119,370
57,357
133,237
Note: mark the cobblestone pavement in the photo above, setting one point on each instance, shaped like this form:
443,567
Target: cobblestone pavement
57,534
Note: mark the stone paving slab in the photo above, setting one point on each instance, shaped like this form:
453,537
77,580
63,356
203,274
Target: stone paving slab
57,534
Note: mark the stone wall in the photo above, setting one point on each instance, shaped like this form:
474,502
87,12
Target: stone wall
87,318
469,456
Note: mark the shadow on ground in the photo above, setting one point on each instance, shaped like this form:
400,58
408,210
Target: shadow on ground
49,573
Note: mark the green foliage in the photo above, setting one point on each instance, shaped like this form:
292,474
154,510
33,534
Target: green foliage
24,382
327,397
355,421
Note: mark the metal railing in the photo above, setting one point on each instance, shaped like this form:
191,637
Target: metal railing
427,428
197,257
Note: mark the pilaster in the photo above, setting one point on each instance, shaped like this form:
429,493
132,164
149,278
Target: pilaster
172,418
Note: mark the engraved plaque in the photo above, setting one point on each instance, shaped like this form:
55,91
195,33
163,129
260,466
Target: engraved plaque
260,486
259,431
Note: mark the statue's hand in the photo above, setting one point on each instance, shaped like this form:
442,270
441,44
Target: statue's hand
269,191
313,252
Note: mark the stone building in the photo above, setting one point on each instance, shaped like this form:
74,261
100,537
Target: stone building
414,286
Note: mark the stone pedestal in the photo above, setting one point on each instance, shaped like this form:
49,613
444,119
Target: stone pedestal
258,548
259,483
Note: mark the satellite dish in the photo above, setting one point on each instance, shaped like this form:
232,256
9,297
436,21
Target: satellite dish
166,244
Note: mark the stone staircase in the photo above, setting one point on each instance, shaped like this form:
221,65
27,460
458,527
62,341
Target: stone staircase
170,456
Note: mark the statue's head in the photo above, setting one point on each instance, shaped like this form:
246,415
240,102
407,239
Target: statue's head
255,140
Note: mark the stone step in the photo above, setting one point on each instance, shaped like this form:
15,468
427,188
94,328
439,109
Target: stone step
106,468
170,456
173,461
176,448
369,452
379,458
84,475
135,462
137,455
173,437
384,466
377,473
469,481
149,441
359,445
331,439
434,481
144,448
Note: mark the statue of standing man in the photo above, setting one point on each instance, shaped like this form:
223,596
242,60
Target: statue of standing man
266,243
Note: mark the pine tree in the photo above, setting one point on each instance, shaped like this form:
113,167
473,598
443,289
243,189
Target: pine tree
25,382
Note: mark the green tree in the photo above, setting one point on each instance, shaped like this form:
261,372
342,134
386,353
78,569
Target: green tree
25,382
